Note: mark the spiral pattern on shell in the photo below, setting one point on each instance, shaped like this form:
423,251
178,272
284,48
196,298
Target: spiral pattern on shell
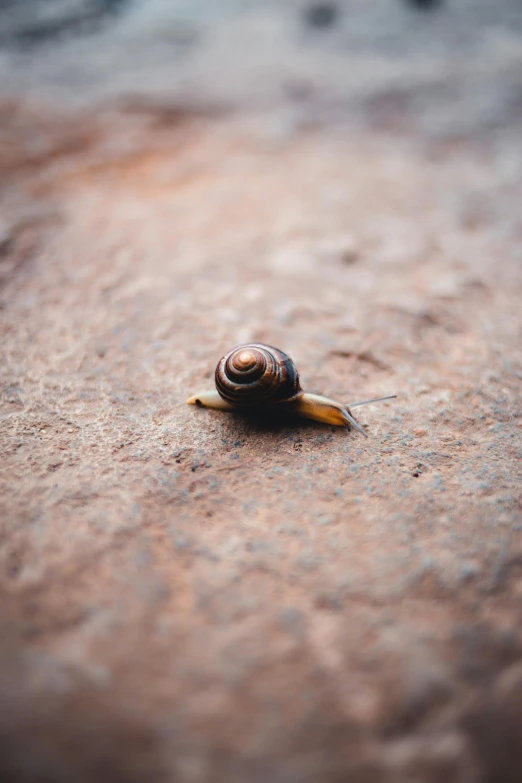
255,375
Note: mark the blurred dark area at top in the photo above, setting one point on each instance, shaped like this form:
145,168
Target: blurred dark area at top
446,64
27,23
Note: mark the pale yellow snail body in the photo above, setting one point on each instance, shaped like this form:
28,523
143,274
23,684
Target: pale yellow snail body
260,377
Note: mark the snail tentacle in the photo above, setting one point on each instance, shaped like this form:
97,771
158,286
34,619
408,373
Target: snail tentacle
210,399
314,406
374,399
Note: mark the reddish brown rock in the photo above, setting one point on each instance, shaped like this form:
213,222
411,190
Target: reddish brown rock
199,596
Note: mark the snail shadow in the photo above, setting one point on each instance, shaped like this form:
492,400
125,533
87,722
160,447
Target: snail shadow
278,422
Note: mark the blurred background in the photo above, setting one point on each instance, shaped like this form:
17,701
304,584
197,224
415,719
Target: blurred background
450,65
189,596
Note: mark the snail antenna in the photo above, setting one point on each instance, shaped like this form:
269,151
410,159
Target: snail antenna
350,420
375,399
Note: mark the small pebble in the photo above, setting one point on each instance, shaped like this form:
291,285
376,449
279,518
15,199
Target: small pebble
425,5
321,15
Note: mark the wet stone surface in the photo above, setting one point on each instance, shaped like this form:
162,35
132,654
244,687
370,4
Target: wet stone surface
193,595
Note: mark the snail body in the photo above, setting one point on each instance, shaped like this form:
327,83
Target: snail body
260,377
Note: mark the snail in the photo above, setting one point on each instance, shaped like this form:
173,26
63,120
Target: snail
259,377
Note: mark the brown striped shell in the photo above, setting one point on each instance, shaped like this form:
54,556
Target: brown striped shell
255,375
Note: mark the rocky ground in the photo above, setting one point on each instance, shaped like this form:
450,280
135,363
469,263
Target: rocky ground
195,596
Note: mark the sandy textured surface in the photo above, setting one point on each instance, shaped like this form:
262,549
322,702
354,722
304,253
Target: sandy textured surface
196,596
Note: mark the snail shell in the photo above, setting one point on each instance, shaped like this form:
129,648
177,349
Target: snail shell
256,375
